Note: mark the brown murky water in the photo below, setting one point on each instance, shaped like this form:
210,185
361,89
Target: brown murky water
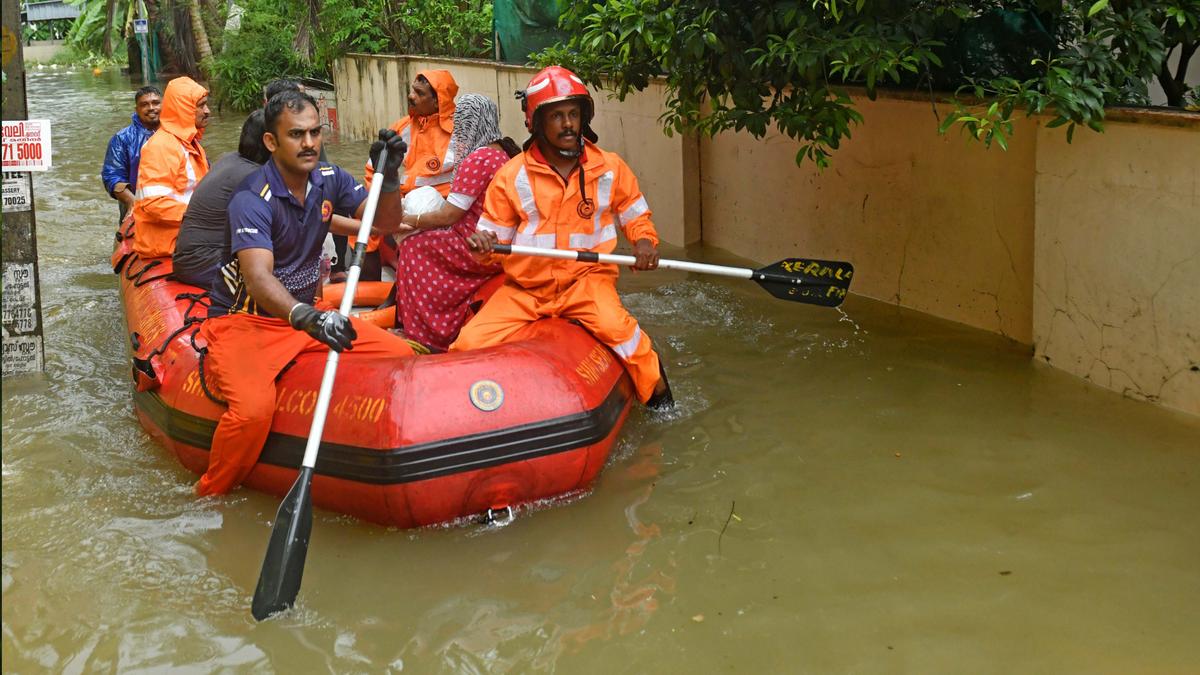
874,492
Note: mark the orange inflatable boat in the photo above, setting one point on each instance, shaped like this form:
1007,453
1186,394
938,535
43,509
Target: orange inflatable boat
407,443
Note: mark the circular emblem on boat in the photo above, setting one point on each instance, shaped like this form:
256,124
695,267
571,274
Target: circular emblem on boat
487,395
586,208
433,164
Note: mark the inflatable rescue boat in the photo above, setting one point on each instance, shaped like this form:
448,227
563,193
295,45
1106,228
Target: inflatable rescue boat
408,442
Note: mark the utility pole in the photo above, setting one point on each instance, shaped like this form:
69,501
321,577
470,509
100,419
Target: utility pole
22,339
141,28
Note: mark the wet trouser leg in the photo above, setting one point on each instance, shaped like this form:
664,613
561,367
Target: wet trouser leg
245,355
509,310
592,301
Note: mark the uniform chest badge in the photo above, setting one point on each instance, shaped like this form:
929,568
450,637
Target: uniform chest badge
433,164
586,208
326,211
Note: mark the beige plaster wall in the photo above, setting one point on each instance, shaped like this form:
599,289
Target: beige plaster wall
1117,273
43,51
372,90
930,222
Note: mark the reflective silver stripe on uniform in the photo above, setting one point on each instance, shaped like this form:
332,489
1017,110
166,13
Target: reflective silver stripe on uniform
625,349
528,204
169,190
636,209
504,234
191,175
599,234
460,200
535,240
436,179
165,191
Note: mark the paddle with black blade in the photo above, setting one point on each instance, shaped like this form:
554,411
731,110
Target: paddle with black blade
283,566
814,282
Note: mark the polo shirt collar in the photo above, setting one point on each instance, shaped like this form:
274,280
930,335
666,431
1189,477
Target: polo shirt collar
280,188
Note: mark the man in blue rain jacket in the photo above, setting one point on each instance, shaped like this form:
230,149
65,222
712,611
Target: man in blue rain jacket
125,148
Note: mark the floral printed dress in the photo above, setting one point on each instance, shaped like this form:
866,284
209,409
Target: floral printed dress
436,273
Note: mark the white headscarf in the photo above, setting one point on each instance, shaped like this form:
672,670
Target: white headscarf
476,124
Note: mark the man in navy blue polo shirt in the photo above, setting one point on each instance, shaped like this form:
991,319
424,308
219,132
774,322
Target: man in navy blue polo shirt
262,315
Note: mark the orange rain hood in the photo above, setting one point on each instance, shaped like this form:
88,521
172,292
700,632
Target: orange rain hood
180,101
443,83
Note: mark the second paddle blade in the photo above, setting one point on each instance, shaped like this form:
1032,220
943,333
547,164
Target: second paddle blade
283,566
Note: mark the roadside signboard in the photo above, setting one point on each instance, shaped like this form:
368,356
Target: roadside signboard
141,26
18,194
26,145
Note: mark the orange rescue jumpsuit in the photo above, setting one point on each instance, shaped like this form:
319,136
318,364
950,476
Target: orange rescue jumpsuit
430,159
529,204
172,163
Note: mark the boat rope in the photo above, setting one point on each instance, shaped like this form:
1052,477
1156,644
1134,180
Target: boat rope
202,352
137,277
128,233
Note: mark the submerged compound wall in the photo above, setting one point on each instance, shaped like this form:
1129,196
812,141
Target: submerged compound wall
1088,252
1117,266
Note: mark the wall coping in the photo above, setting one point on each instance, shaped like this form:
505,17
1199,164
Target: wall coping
1162,116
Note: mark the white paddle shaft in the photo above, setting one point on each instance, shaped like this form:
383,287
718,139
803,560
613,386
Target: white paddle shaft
331,363
585,256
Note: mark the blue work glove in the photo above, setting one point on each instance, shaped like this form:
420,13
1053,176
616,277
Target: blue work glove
328,327
396,148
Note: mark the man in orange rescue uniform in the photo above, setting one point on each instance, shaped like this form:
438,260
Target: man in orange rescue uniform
173,161
565,192
426,129
262,315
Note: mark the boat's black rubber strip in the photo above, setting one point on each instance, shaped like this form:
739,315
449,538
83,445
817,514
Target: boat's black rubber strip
414,462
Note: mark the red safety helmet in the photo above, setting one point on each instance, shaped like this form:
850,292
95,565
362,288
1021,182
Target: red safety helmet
551,85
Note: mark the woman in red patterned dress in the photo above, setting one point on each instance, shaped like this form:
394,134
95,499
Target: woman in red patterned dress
436,274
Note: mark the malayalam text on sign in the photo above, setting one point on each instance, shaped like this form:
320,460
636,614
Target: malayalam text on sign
26,145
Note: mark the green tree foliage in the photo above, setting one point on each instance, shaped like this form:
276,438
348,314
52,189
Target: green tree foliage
92,31
437,27
754,64
260,51
1107,54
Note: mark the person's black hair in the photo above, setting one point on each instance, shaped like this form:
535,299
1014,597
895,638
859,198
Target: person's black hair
148,89
278,86
509,146
292,100
251,144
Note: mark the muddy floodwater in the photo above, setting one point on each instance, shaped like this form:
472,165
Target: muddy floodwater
870,492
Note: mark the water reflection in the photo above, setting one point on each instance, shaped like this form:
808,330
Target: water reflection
911,496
